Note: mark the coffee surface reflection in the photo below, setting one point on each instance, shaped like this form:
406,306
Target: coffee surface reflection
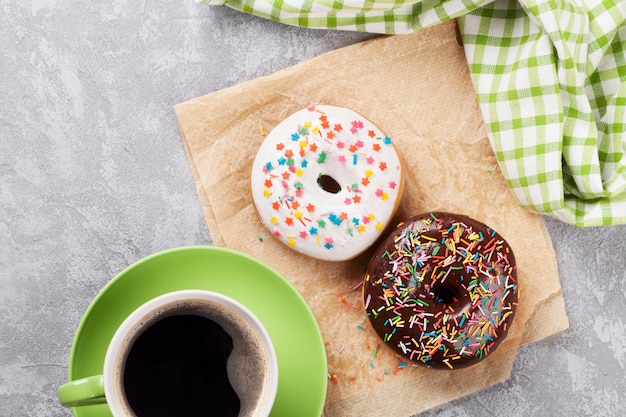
178,367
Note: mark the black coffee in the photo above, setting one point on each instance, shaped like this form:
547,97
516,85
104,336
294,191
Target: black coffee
177,368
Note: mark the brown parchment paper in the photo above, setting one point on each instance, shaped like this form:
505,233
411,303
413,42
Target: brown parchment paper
417,89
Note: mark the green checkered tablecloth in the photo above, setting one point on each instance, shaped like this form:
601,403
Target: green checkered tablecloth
550,77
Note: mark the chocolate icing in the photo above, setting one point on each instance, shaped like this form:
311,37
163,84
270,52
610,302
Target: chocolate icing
441,290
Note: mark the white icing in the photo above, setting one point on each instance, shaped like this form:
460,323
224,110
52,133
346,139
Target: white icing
298,211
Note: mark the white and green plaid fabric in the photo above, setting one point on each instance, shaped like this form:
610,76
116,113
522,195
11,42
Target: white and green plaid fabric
550,77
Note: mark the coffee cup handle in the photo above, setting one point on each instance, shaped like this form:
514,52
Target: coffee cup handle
84,391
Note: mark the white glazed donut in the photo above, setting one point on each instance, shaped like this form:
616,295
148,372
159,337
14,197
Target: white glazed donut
326,182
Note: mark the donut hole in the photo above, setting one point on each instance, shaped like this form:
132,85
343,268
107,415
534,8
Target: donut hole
328,184
445,294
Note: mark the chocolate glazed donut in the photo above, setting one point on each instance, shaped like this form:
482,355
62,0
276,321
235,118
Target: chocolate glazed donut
441,290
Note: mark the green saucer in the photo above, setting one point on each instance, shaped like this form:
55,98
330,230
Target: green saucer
294,331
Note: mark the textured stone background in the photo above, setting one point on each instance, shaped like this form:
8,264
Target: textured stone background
93,177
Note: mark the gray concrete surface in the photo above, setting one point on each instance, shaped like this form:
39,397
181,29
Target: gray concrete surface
93,177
